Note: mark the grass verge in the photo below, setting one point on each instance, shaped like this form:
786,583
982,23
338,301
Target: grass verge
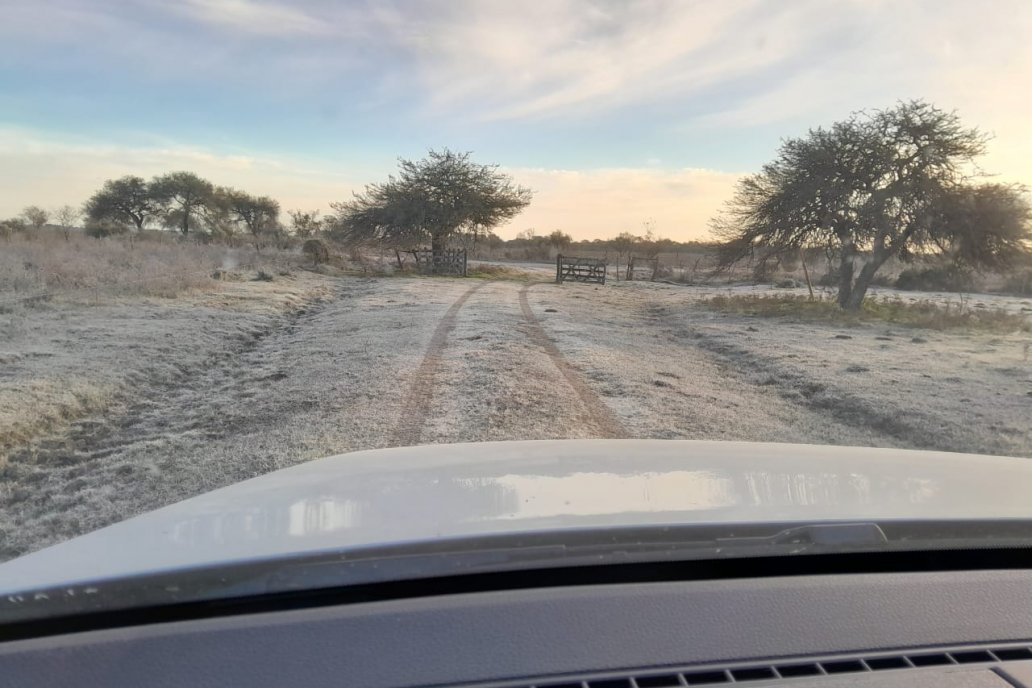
31,409
499,272
923,314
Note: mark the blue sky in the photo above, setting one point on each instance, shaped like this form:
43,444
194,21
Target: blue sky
614,112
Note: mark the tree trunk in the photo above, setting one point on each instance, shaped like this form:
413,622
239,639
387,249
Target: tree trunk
863,282
806,272
847,262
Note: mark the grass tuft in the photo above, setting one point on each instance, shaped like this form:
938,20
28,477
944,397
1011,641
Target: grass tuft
923,314
499,272
36,267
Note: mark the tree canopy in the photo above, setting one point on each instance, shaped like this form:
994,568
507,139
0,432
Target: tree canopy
127,201
897,183
433,198
181,196
259,214
36,216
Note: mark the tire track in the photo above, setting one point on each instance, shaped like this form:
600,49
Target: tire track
416,407
608,425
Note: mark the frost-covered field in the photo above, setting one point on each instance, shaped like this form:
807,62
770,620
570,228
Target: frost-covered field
109,410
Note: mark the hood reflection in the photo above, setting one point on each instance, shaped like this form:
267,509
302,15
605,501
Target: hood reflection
432,504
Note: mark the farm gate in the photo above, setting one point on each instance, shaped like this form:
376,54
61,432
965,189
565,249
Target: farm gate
451,261
579,269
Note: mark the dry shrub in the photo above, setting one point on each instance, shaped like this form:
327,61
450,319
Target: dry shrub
1019,282
34,408
317,250
500,272
926,314
83,267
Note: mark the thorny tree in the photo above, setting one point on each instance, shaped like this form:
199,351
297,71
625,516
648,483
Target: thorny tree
181,196
126,200
259,214
892,183
434,198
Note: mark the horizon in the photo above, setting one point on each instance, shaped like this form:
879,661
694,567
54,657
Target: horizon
616,115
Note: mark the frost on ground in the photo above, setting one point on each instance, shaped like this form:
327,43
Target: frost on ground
114,409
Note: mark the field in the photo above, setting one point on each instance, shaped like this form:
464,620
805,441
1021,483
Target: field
128,400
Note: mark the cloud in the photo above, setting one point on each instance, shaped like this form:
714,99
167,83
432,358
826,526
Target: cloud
509,61
253,17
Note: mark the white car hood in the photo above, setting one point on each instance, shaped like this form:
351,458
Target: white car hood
408,495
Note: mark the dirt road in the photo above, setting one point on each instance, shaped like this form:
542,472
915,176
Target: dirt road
363,363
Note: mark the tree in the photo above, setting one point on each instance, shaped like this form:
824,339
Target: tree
216,214
559,239
305,223
623,244
892,183
433,199
11,226
125,201
181,196
67,216
259,214
35,216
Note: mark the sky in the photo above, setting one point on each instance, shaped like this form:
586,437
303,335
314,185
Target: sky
616,114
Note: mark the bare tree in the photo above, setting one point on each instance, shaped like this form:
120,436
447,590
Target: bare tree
305,223
35,216
623,244
893,183
67,216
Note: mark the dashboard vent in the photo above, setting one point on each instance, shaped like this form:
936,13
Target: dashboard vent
745,673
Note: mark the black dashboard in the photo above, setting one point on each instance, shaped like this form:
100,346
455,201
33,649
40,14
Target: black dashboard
948,628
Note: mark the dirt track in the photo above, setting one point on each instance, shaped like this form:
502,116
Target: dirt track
212,394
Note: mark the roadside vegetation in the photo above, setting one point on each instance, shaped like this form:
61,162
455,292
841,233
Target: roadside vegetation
499,272
894,310
44,265
901,183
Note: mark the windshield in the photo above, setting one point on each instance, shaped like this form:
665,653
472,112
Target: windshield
240,236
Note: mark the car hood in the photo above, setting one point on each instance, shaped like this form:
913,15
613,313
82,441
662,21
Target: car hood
419,494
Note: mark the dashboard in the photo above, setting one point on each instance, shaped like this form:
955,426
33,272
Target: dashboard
944,628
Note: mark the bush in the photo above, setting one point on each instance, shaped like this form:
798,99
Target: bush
11,226
943,278
98,229
316,250
1019,283
924,314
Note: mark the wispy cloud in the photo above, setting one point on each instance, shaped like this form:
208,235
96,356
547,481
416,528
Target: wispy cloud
565,84
508,61
267,18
